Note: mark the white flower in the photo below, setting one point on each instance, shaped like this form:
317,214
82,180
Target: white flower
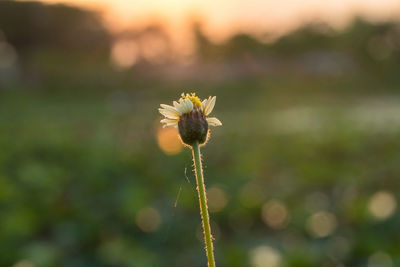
185,105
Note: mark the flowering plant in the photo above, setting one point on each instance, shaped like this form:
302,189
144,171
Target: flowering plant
190,116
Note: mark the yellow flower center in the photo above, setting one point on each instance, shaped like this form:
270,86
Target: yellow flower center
192,97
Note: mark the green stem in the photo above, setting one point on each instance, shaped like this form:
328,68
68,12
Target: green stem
203,204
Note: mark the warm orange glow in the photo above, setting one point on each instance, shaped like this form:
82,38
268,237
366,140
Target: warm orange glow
225,17
169,141
154,48
124,53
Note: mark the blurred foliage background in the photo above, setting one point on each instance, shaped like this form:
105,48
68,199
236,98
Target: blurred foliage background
304,172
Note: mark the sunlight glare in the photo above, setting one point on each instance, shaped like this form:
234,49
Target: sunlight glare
382,205
124,53
321,224
265,256
168,140
380,259
222,19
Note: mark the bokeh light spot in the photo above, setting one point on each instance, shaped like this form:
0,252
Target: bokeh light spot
124,53
217,199
321,224
380,259
275,214
265,256
24,263
148,219
168,140
382,205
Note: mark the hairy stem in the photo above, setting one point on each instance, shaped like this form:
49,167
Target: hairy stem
203,204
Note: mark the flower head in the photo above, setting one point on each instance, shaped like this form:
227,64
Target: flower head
190,116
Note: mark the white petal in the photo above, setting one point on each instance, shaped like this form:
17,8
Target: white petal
181,107
204,103
190,104
166,106
169,122
187,106
177,106
175,124
170,108
209,105
169,114
214,121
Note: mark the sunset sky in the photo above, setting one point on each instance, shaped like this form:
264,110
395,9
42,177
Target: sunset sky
222,18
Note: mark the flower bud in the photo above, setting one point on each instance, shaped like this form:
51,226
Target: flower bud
193,127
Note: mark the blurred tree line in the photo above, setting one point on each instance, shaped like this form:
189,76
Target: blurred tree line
371,46
36,26
62,41
53,39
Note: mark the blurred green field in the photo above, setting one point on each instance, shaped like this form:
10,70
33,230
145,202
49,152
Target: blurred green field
304,171
294,177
